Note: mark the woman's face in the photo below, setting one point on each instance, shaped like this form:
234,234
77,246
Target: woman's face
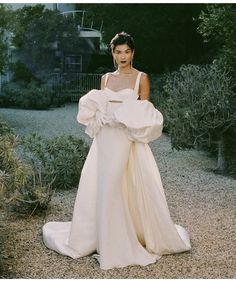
123,55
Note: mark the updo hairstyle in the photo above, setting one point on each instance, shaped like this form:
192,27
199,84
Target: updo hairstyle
121,39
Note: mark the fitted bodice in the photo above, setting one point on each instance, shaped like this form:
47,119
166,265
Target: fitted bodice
124,94
121,95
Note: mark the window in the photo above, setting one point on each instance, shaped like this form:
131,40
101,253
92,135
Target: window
73,63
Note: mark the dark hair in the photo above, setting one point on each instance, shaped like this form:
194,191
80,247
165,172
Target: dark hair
120,39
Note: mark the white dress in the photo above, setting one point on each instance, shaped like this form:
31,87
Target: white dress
120,214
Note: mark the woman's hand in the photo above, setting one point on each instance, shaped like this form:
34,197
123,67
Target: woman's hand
101,118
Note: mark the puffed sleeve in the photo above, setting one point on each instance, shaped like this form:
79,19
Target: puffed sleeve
143,121
91,110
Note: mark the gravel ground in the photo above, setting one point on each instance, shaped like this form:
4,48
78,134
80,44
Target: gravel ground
198,199
48,123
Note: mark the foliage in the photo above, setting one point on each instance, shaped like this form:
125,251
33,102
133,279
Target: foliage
28,95
42,36
158,96
17,178
22,73
164,38
5,23
218,25
33,167
22,19
3,52
230,150
198,110
3,252
5,128
60,158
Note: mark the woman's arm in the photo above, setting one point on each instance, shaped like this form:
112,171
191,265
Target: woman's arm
144,89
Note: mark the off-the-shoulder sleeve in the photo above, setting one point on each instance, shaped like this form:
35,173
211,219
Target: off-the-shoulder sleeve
143,121
89,105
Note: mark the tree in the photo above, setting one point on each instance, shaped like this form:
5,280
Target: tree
42,36
22,20
165,34
199,109
4,28
218,25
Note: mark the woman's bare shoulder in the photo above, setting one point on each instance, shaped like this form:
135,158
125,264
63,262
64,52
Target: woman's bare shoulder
144,81
108,73
104,76
143,74
144,77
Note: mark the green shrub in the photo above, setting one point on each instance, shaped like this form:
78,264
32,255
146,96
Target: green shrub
60,159
200,109
158,96
35,195
29,96
22,73
13,172
21,185
5,128
2,251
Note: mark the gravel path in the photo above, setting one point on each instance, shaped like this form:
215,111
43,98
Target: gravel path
198,199
49,123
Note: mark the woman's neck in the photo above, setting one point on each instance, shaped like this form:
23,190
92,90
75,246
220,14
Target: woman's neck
125,70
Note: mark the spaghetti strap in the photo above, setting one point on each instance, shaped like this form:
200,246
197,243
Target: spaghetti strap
106,78
136,88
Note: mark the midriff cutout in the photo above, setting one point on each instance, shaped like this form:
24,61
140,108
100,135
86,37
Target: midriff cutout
125,89
115,101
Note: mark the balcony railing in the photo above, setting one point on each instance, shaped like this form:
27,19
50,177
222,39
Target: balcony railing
83,23
75,85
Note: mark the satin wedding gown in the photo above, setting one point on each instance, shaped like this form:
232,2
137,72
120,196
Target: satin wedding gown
120,215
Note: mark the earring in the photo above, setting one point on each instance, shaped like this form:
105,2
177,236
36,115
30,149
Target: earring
114,61
131,63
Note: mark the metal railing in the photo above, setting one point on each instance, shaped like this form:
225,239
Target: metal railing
80,15
75,85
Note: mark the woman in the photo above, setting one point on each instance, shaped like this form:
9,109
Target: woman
120,214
